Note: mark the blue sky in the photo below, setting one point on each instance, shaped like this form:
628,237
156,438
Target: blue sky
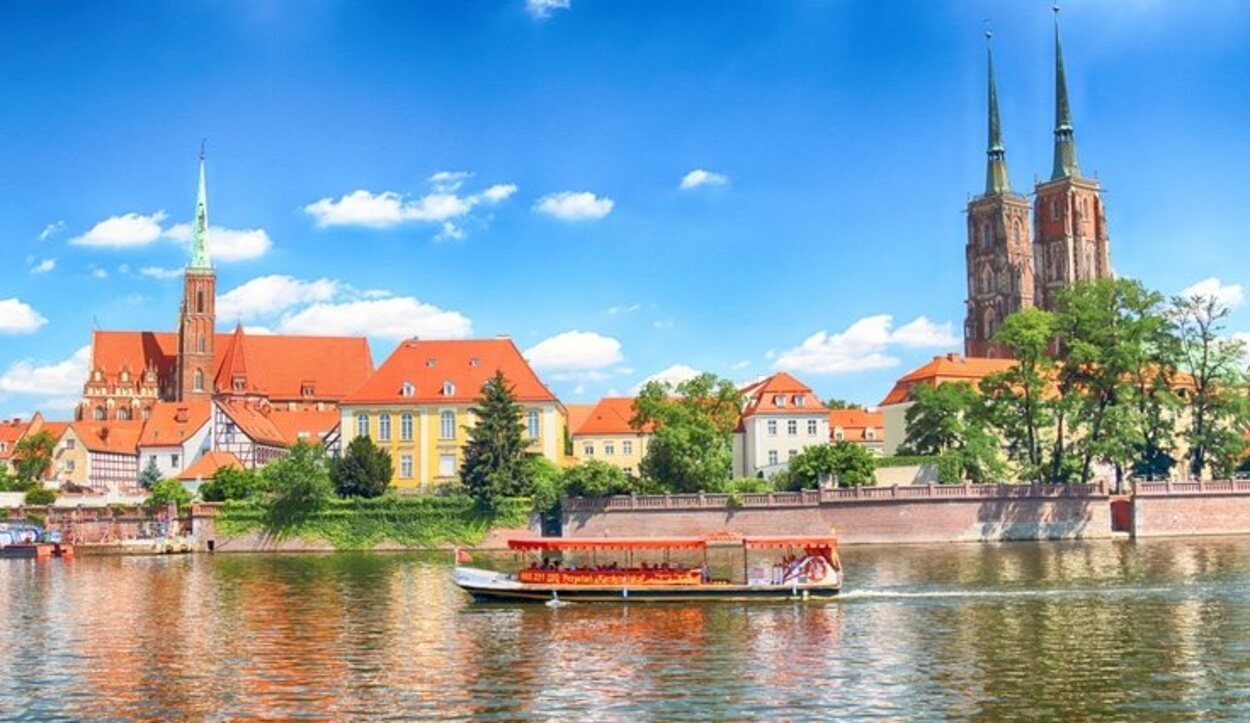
495,167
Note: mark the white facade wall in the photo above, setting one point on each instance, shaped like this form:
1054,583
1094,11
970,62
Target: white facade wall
895,421
757,450
191,449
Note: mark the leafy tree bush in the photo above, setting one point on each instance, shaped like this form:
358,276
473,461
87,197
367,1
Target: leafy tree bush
845,463
299,485
40,496
494,466
166,491
149,475
690,449
232,483
836,403
595,478
749,485
32,458
364,470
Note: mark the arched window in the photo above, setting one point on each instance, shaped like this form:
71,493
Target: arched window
198,384
384,427
200,345
199,302
405,426
123,414
99,414
531,423
447,424
1016,231
362,425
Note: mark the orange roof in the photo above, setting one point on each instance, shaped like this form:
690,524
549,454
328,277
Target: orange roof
115,437
11,430
762,397
278,426
578,414
208,464
253,420
853,423
465,364
276,365
611,416
54,429
942,369
169,424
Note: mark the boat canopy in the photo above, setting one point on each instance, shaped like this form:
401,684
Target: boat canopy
607,543
805,541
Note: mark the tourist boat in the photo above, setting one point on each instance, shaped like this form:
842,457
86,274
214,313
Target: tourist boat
25,540
605,569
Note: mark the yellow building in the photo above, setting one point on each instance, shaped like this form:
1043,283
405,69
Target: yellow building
606,435
100,455
416,406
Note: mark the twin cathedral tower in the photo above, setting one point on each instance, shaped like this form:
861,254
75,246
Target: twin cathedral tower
1014,264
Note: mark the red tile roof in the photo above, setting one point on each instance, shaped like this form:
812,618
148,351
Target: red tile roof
946,368
578,414
11,430
853,423
464,363
253,420
169,424
208,464
115,437
277,426
611,416
761,397
276,365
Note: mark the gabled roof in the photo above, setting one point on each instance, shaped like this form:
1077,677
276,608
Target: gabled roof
277,426
253,420
169,424
854,422
465,364
11,430
277,366
208,464
761,397
578,414
611,416
113,437
945,368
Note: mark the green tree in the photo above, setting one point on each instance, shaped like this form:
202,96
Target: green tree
40,496
299,485
951,420
166,491
150,474
1016,398
494,466
690,449
836,403
232,483
32,458
364,470
595,478
1216,407
846,464
7,480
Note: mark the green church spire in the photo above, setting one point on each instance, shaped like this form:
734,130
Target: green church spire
1065,144
199,240
996,180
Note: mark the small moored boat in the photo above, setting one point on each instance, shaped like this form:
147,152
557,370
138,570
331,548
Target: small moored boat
660,569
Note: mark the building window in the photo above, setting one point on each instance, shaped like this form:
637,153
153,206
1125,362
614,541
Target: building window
627,447
447,424
362,425
588,449
173,461
199,380
384,427
447,465
201,345
779,400
870,434
792,427
531,421
405,466
772,456
799,400
123,414
811,427
307,389
69,465
838,435
772,428
99,414
407,389
405,426
629,471
792,454
239,383
199,302
609,449
449,389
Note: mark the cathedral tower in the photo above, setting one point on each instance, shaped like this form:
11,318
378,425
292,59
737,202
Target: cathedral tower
1072,243
999,252
197,315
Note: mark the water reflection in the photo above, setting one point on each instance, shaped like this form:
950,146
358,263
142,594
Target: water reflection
1066,630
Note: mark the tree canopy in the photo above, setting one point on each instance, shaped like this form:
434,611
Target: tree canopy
364,470
691,447
494,465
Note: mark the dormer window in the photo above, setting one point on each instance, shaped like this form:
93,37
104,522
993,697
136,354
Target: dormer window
779,400
97,376
475,362
430,362
449,389
407,389
798,400
125,376
870,434
307,389
238,383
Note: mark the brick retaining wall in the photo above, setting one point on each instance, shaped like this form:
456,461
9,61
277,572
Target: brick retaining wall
1167,509
920,513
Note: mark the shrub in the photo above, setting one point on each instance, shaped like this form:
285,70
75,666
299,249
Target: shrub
166,491
363,471
299,485
232,483
950,469
40,496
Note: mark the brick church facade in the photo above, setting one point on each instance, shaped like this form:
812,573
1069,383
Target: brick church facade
1015,262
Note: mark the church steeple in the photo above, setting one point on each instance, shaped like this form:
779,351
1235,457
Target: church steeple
996,179
199,244
1065,144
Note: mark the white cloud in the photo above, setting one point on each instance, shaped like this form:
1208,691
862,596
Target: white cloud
574,206
575,351
449,181
628,309
157,272
740,365
18,317
226,244
700,177
544,8
43,267
124,231
397,317
97,273
51,230
864,345
450,232
1230,295
674,375
272,295
56,379
387,209
498,192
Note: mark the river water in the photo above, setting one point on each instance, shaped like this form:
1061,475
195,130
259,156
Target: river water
1061,630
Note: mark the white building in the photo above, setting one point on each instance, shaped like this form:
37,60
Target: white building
780,417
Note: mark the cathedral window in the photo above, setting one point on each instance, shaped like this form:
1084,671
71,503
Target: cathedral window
123,414
200,345
198,384
199,302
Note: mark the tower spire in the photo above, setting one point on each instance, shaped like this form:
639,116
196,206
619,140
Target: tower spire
1065,143
996,180
199,241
